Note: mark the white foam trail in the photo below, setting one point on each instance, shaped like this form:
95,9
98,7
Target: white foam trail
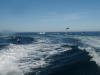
7,67
94,54
20,59
93,43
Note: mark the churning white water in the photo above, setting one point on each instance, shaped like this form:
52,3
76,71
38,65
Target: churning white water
93,46
20,59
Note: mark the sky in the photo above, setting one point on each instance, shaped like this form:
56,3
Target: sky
49,15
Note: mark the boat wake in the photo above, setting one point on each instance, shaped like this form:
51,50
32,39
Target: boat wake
49,52
92,45
20,59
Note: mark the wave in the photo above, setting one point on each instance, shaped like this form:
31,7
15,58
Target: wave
20,59
92,45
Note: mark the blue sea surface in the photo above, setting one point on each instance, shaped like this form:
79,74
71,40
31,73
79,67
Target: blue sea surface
50,53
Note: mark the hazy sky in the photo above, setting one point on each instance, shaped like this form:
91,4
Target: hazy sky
50,15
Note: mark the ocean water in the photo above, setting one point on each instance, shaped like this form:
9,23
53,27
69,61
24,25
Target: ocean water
51,53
